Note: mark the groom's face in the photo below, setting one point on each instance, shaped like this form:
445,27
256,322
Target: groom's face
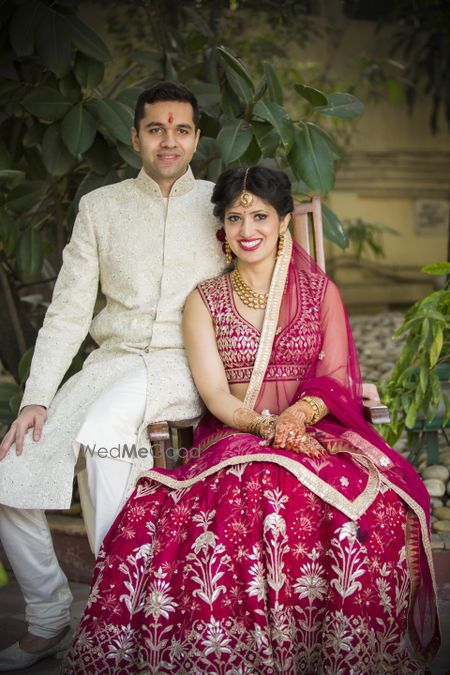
166,139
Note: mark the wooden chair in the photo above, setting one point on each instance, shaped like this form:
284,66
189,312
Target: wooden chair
169,439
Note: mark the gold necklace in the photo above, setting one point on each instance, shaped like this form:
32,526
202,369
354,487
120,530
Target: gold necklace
248,296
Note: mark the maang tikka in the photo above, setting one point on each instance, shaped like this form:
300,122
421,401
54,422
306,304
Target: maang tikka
246,198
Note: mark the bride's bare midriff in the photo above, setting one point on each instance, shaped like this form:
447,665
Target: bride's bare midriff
239,390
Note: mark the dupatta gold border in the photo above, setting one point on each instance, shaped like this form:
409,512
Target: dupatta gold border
419,512
420,515
352,509
270,322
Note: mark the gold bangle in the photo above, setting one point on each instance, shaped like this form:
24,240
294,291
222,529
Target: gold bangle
262,425
318,406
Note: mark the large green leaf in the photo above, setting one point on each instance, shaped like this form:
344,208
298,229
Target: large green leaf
33,135
207,94
436,347
312,160
57,158
411,416
313,96
209,125
24,364
332,227
11,91
99,156
92,181
53,43
273,84
7,391
437,268
14,403
78,130
26,195
230,103
88,71
129,156
11,174
129,96
206,151
278,118
233,140
46,103
86,40
70,89
252,155
116,117
342,105
239,85
261,88
29,255
335,150
35,166
9,233
267,137
23,26
236,65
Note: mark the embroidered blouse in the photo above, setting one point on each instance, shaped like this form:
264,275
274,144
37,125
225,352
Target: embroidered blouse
295,347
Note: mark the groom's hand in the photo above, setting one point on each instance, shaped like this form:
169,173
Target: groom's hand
30,417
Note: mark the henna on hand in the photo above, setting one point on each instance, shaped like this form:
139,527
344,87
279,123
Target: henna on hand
288,430
260,425
242,418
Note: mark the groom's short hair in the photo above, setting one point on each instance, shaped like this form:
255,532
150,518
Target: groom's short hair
166,91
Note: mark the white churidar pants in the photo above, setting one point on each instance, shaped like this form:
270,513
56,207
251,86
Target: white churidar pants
112,421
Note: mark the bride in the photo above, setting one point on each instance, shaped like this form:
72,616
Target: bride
294,540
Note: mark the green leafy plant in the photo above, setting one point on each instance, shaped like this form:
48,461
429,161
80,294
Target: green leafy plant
66,131
415,393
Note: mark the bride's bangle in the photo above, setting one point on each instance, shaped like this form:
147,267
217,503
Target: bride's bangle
263,426
254,423
318,407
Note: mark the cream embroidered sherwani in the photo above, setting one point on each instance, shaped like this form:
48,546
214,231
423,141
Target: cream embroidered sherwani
147,253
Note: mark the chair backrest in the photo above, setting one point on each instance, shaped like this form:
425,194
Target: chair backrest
301,229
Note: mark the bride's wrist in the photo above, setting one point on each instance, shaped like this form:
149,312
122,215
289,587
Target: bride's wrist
313,407
252,422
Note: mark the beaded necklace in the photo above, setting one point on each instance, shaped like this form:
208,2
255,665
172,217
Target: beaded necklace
245,293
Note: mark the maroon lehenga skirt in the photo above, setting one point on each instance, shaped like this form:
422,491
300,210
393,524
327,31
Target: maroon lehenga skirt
246,561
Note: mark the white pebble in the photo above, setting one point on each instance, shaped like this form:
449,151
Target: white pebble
436,471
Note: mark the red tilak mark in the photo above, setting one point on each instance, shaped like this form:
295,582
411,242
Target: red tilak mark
170,118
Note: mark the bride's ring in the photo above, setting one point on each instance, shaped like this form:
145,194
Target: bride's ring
291,433
303,438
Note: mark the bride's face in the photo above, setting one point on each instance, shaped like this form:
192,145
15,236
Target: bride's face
253,231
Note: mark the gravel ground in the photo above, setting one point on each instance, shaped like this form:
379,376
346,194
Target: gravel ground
377,351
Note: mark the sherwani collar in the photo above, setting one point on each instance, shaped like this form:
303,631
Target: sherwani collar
184,184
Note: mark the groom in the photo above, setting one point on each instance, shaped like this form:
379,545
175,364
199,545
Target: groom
148,242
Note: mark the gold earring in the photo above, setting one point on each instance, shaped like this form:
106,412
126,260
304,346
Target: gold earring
280,244
228,254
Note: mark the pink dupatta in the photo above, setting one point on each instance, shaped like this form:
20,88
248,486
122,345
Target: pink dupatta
335,377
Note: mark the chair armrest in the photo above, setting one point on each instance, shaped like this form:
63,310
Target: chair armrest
169,441
376,412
